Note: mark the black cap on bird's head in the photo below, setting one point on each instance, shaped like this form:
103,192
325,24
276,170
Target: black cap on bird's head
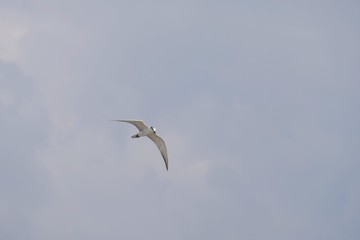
154,129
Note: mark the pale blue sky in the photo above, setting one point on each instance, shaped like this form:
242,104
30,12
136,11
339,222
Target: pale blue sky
258,102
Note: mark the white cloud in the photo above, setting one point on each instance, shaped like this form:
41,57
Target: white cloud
13,29
237,93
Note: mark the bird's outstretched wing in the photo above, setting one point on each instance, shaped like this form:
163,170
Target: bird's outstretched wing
137,123
161,146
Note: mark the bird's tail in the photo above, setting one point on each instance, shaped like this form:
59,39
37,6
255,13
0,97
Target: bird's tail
135,136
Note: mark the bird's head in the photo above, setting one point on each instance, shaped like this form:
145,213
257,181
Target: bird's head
154,129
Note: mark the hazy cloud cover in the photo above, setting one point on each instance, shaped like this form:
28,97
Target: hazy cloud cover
258,102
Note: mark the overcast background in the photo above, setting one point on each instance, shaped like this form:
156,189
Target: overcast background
258,102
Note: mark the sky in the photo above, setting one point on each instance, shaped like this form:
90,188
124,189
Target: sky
258,102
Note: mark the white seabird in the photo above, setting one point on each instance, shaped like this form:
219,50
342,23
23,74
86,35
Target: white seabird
149,132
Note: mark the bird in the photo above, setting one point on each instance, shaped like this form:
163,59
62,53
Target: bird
149,132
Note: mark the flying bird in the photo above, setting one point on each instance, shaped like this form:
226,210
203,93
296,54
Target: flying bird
149,132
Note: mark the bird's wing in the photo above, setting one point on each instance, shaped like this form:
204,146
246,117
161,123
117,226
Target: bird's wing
137,123
161,146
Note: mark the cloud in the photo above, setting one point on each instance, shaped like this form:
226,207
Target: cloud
23,129
258,106
12,29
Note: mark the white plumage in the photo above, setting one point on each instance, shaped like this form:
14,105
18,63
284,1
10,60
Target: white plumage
149,132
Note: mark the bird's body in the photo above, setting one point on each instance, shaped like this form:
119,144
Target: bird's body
149,132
